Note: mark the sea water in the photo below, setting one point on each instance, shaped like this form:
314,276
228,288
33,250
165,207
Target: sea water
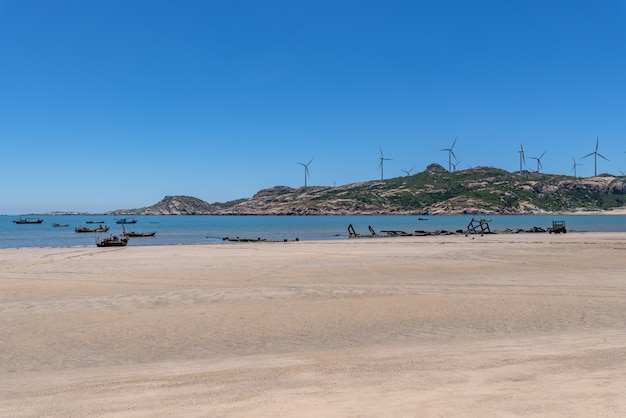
203,229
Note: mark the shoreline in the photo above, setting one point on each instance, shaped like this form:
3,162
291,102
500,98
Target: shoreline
361,237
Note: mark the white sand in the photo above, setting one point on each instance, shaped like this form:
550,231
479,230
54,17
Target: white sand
498,325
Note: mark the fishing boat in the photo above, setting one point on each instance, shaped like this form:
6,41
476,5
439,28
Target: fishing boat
95,222
140,234
126,221
87,229
59,225
112,241
25,221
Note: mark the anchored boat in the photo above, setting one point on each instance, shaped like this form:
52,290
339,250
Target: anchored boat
87,229
126,221
24,221
113,240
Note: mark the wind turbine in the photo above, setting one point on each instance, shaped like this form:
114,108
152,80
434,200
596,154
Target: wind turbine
306,170
457,163
382,160
408,172
522,158
595,157
539,166
450,154
574,167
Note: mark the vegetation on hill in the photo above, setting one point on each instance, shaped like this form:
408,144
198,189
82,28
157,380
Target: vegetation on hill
480,190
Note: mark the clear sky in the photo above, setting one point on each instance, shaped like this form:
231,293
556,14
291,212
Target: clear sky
115,104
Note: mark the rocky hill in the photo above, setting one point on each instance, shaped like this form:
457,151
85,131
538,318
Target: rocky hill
481,190
177,205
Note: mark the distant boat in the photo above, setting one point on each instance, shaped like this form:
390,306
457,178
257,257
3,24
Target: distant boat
60,225
422,219
140,234
112,241
24,221
87,229
125,221
95,222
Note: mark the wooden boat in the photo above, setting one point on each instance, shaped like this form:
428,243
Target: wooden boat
25,221
125,221
140,234
87,229
59,225
112,241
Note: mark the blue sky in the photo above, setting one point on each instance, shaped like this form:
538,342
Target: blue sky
115,104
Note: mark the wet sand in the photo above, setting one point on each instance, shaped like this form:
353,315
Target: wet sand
494,325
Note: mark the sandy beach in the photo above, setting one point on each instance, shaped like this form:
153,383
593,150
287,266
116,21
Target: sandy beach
438,326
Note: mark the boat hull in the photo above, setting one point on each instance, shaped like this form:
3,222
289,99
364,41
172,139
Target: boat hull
84,229
113,241
140,234
28,221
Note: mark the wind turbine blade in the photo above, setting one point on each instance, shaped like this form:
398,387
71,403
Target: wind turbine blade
588,155
454,143
310,161
602,156
543,154
597,141
381,151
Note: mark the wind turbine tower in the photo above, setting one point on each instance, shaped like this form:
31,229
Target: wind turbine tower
522,158
574,166
306,170
382,160
450,154
596,154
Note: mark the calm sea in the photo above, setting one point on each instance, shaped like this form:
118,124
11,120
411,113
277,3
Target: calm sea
180,230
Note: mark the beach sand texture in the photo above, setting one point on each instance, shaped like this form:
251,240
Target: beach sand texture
494,325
